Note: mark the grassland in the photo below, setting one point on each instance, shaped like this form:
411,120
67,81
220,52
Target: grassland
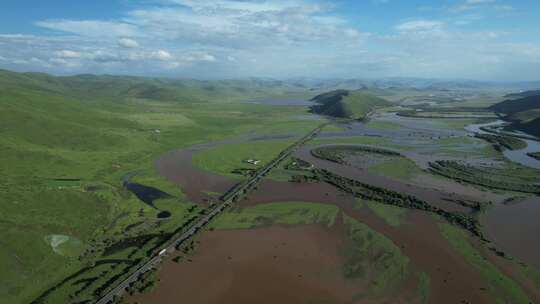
392,215
523,112
286,213
512,177
67,142
535,155
373,258
397,167
224,159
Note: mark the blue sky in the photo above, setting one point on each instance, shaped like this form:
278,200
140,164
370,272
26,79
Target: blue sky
468,39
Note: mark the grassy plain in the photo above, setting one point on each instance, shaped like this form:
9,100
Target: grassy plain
286,213
374,258
225,158
66,143
392,215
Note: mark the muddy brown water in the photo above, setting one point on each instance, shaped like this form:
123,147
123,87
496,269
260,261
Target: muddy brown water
177,167
266,265
515,229
438,198
452,279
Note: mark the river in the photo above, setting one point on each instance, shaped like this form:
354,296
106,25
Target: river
517,156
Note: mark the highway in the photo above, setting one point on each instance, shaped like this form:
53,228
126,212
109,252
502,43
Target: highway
227,199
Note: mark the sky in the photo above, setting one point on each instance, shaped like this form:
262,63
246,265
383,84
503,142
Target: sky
496,40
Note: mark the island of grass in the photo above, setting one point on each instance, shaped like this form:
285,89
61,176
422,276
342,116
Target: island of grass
376,160
338,153
535,155
494,178
499,142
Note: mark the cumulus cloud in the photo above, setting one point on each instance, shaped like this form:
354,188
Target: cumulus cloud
162,55
279,38
128,43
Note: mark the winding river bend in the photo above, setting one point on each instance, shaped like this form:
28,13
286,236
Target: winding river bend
517,156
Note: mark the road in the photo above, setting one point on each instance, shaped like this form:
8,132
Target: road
228,198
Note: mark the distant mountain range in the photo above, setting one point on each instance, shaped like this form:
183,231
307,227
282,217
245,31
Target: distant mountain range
168,88
411,83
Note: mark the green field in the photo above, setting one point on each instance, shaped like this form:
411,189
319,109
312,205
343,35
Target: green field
372,257
224,159
67,142
286,213
392,215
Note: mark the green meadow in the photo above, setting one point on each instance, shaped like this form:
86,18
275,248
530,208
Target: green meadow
66,143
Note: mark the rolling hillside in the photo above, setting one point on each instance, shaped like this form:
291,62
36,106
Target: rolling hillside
120,88
510,107
523,94
346,104
523,112
66,143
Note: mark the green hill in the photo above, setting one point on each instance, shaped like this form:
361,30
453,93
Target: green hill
510,107
523,113
346,104
531,126
120,88
523,94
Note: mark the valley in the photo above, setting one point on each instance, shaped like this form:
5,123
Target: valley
392,200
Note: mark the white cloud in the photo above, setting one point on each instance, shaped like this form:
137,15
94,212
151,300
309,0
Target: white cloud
128,43
162,55
91,28
470,5
279,38
67,54
420,25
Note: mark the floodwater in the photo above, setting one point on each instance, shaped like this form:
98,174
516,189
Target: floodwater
517,156
196,184
453,280
415,138
265,265
283,102
515,229
439,198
